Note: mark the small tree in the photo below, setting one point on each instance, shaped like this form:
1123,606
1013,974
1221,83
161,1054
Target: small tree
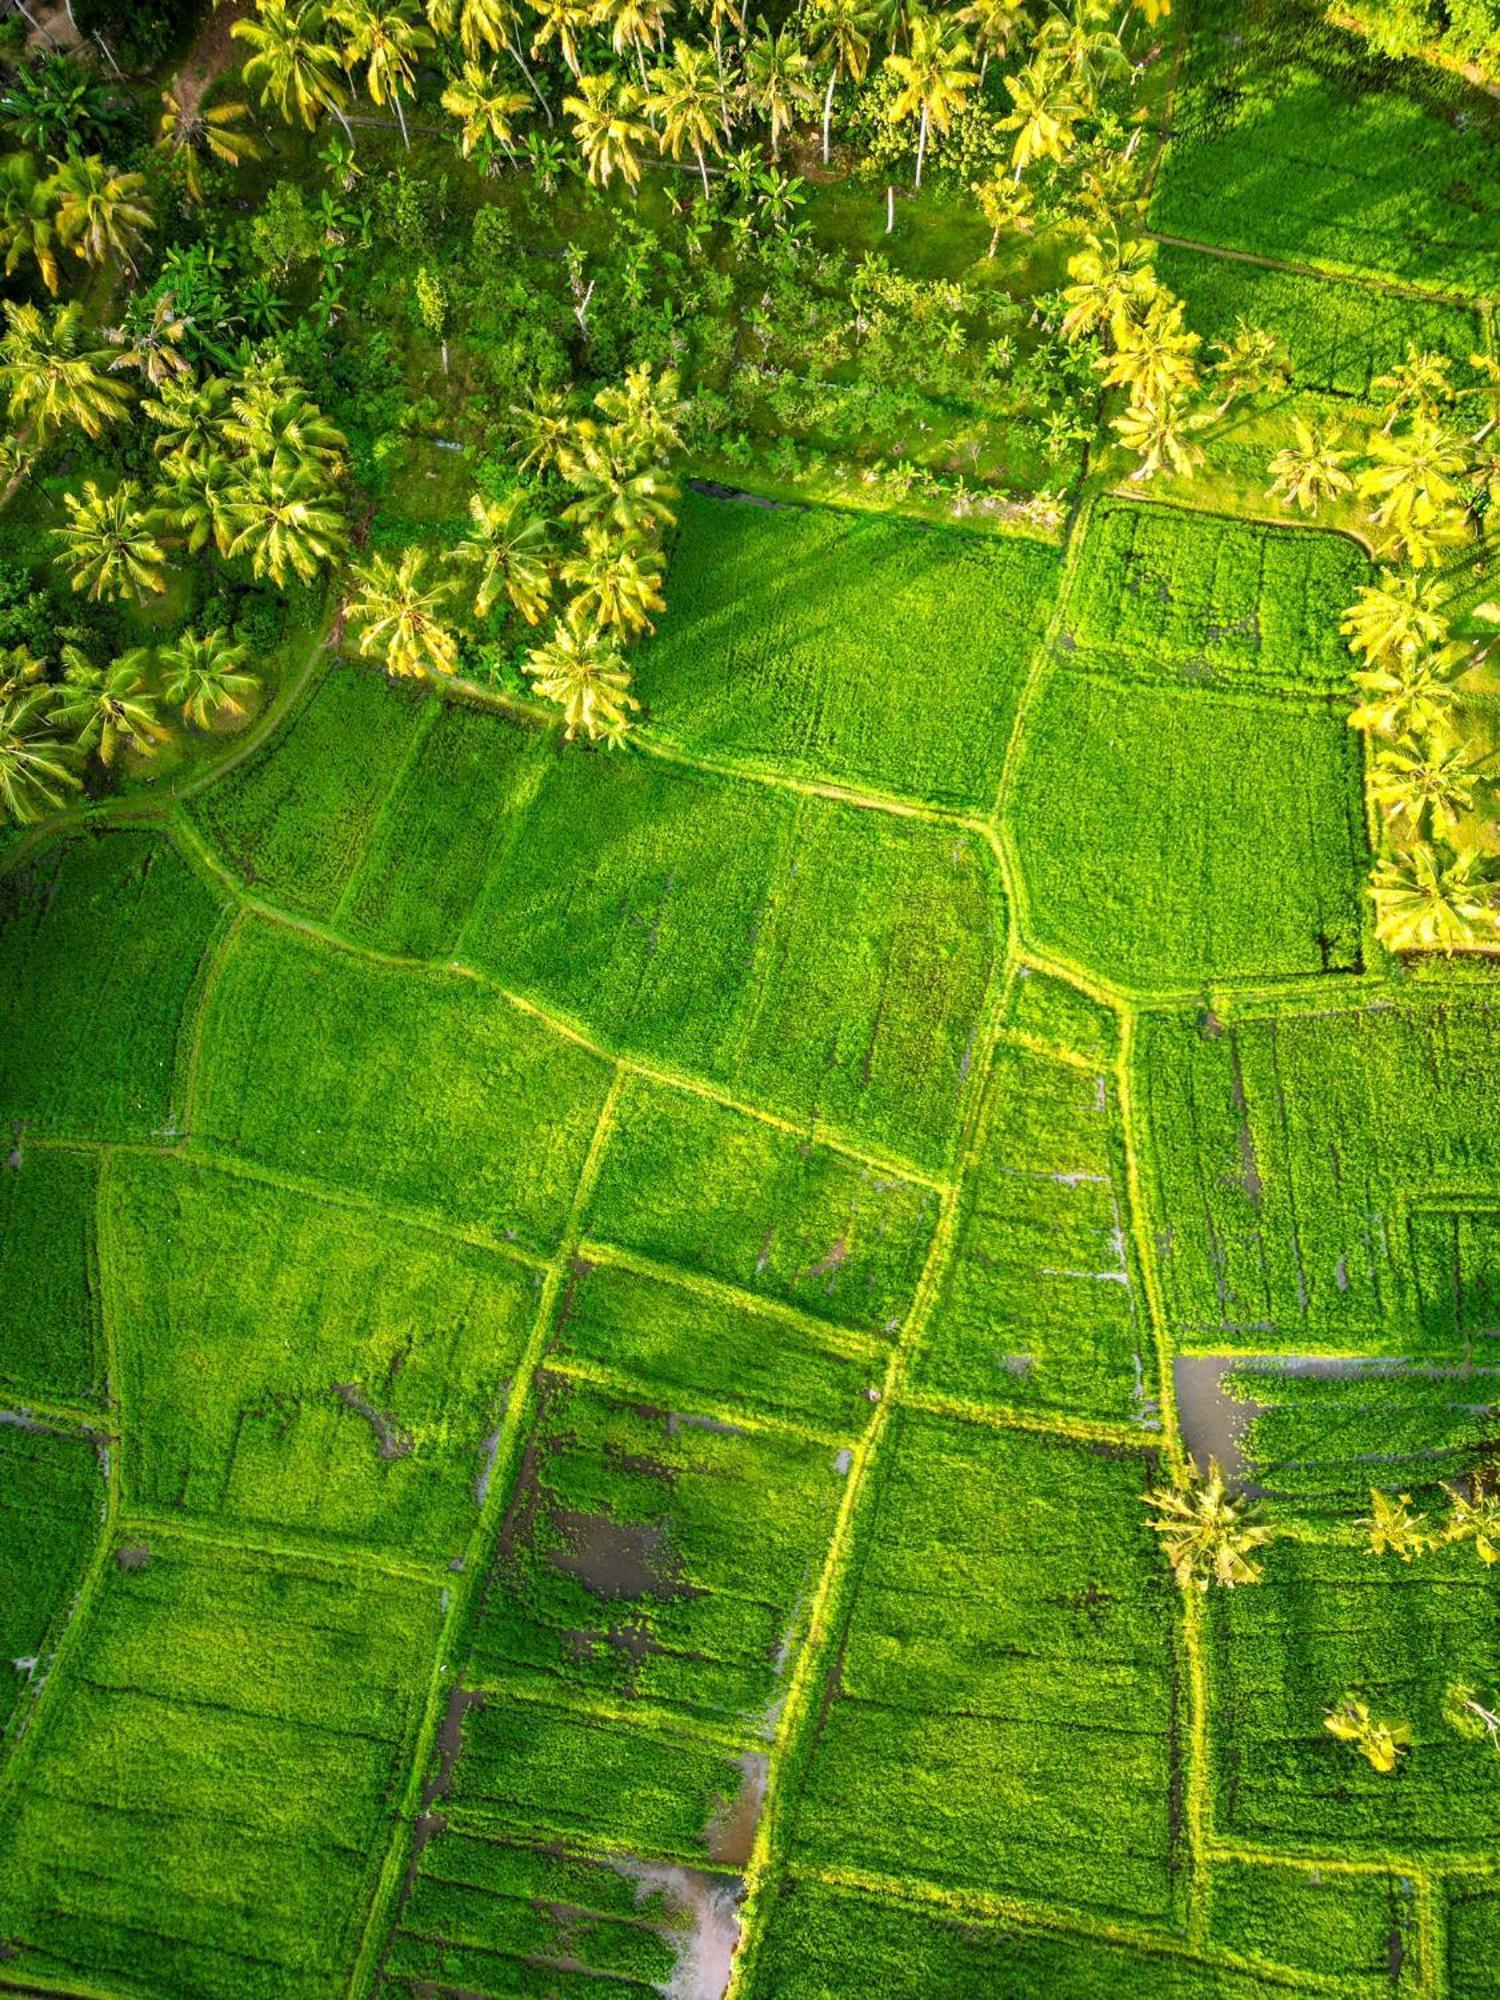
1394,1529
1207,1533
1379,1743
1475,1518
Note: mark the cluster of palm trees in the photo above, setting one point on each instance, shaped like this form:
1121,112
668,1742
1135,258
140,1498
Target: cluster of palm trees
1429,486
610,467
51,728
83,205
1142,345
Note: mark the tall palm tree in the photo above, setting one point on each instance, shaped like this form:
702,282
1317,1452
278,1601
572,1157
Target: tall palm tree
1162,434
617,584
56,374
154,344
688,100
1417,386
993,24
634,27
1395,618
486,106
188,132
194,498
1417,782
1084,49
563,22
509,549
614,489
608,132
1045,109
101,212
190,415
291,63
1425,901
206,678
1416,483
1252,362
842,32
399,615
1310,470
285,519
778,79
388,38
542,429
271,417
27,229
934,76
108,546
35,764
1408,694
582,670
108,709
485,26
1154,358
645,412
1113,286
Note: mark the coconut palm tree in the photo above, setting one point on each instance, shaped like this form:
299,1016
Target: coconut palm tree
1379,1743
108,709
563,22
1426,901
1113,286
1154,358
509,549
1083,48
290,63
615,490
100,210
108,546
842,32
35,764
1310,470
1405,694
56,374
190,416
582,669
154,343
608,132
27,229
645,413
1044,111
206,678
1252,362
193,499
1208,1534
617,584
634,27
934,77
1162,434
1394,618
778,80
992,24
286,520
1414,783
485,26
541,429
387,38
689,101
1416,483
272,418
486,107
1417,386
399,615
188,132
1007,205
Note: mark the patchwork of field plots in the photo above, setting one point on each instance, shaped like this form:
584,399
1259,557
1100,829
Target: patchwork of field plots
582,1338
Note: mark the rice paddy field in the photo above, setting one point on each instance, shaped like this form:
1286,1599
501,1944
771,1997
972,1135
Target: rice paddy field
583,1337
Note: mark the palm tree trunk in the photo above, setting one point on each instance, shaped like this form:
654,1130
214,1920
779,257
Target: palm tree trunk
703,169
34,24
536,88
921,144
828,109
640,63
890,208
994,241
401,118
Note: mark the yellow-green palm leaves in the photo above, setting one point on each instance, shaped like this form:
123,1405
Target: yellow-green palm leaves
28,230
509,551
1379,1743
188,132
1310,470
1426,901
1207,1532
36,766
485,106
206,677
687,100
101,211
608,131
57,373
580,667
291,62
934,78
400,616
109,547
108,709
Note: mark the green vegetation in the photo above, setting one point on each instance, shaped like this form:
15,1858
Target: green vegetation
749,878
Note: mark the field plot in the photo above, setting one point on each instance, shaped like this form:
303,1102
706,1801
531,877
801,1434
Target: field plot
1043,1008
1291,139
100,944
1473,1920
293,822
1004,1715
1330,1621
1285,1151
50,1344
826,1943
434,842
495,1918
656,1554
828,962
1337,337
51,1512
697,1347
200,1807
719,1192
877,652
308,1061
1171,838
1357,1929
1038,1306
1200,600
295,1364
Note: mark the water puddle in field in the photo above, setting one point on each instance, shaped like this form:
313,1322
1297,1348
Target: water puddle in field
616,1558
705,1914
391,1441
133,1556
730,1832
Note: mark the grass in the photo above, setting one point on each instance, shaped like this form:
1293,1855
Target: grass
51,1494
50,1346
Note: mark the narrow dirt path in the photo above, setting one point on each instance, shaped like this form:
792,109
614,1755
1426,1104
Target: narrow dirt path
213,52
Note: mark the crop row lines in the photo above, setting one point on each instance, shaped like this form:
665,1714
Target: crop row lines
622,1383
381,1910
282,1546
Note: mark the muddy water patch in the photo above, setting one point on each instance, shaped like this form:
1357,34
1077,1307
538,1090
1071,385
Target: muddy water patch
730,1832
392,1441
1213,1422
705,1914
